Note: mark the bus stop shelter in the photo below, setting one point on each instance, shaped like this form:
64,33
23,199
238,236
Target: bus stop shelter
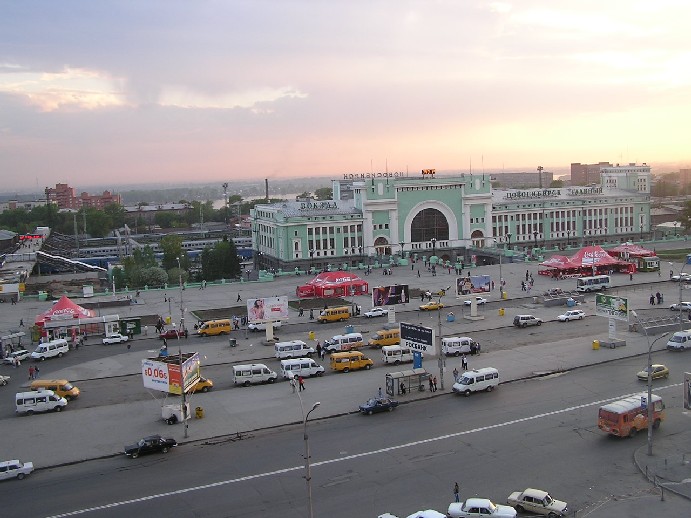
403,382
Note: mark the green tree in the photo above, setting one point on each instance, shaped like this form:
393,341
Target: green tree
221,261
556,184
685,215
172,250
324,193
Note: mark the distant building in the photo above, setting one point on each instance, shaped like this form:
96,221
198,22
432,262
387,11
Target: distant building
684,177
65,197
522,180
587,174
26,205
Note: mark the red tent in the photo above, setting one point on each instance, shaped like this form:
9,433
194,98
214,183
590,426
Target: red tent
594,256
591,260
333,284
630,250
64,309
559,266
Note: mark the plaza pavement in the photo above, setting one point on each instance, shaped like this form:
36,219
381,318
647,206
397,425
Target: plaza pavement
102,431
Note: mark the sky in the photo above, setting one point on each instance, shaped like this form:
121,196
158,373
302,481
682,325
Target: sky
169,91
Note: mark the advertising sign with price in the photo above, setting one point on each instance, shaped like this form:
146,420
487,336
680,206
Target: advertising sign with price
165,375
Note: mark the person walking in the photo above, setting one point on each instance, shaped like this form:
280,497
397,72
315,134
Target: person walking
323,354
32,372
239,298
319,349
434,384
21,322
456,492
652,299
455,374
301,382
431,384
464,362
292,383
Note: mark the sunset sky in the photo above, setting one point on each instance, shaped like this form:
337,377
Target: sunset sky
147,91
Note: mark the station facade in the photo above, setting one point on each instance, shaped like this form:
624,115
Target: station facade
376,216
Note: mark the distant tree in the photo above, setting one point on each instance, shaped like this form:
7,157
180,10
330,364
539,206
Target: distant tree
685,215
172,250
152,277
663,188
324,193
220,261
556,184
175,274
116,213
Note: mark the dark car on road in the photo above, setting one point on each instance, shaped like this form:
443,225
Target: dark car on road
378,404
172,334
150,444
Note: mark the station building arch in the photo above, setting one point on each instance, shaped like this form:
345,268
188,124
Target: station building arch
478,238
382,246
449,229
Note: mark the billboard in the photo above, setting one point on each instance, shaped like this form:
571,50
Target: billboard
418,338
473,284
268,308
390,295
612,307
165,375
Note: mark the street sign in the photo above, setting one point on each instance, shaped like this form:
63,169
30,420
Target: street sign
612,307
419,338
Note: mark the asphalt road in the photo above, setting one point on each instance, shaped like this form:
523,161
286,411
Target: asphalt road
540,433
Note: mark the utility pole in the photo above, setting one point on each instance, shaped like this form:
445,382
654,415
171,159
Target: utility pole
185,417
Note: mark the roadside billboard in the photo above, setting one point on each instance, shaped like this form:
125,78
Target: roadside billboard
611,306
165,375
268,308
473,284
390,295
418,338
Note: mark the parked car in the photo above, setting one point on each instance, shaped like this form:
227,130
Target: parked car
20,355
261,326
376,312
431,306
150,444
573,314
685,306
526,320
15,469
538,502
171,334
659,371
479,507
203,385
684,277
4,380
114,338
378,404
479,300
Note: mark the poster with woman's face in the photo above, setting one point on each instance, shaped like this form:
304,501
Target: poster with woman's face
268,308
390,295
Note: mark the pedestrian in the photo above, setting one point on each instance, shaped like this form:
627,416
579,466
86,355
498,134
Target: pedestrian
658,296
165,343
671,274
239,298
323,354
311,314
380,392
36,371
301,312
129,345
464,362
292,383
31,372
492,285
301,382
418,272
165,297
631,276
659,272
21,322
455,374
652,299
527,274
431,384
402,385
456,492
434,383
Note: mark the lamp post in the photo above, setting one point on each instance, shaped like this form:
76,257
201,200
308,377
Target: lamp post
641,231
308,474
568,238
681,286
311,258
508,237
402,243
182,310
535,233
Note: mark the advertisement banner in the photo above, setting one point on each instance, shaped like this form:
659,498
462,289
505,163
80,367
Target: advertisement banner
473,284
390,295
164,374
155,375
268,308
612,307
418,338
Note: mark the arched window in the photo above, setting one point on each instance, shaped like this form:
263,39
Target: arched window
428,224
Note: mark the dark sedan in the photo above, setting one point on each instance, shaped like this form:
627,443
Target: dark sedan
379,404
172,334
150,444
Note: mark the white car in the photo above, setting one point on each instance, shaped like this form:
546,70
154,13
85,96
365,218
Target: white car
574,314
429,513
13,468
261,326
479,507
479,300
684,277
538,502
685,306
376,312
114,338
21,355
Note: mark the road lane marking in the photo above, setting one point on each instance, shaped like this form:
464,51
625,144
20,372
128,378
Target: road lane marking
348,457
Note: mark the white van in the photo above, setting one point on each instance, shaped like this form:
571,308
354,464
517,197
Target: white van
679,340
476,380
340,343
457,345
255,373
42,401
51,349
396,354
300,367
293,349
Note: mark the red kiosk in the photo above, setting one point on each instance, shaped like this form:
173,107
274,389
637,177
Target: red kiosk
591,260
333,284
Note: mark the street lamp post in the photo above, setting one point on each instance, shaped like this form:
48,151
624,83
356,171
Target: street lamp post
535,233
568,238
681,286
641,231
508,237
402,243
311,258
308,473
182,310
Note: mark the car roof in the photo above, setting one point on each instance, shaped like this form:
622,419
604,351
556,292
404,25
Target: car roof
536,493
477,502
8,462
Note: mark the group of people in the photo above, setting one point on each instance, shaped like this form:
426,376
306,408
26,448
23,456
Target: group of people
297,381
321,351
33,372
657,297
432,383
